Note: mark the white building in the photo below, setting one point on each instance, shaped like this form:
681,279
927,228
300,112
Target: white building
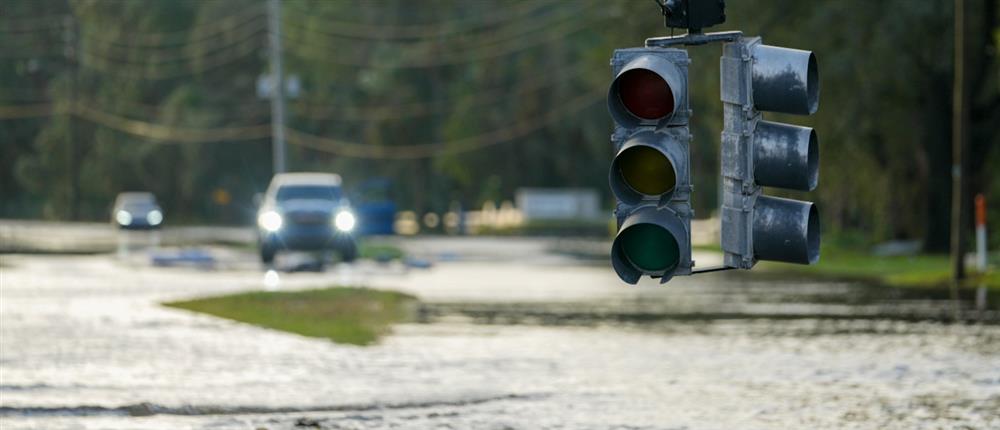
559,204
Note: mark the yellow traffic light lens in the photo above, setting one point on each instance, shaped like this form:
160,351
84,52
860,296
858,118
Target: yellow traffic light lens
650,248
646,170
645,94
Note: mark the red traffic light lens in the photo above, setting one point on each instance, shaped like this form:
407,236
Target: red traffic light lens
645,94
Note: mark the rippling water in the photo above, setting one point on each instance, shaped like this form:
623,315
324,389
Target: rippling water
83,344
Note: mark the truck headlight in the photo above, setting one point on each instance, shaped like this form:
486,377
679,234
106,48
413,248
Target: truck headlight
123,218
270,221
154,217
344,221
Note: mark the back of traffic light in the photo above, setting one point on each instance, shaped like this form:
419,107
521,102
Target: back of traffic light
650,173
758,153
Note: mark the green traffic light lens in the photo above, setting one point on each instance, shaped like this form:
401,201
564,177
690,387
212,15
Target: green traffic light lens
647,170
649,247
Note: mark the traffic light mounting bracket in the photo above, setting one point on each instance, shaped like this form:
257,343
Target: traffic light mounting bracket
693,39
693,15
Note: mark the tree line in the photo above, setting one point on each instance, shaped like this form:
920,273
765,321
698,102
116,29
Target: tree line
457,101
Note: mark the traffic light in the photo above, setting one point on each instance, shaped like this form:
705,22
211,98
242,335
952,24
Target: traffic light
758,153
650,174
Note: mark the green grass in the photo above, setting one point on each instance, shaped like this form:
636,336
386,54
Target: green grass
922,270
379,251
848,256
354,316
563,228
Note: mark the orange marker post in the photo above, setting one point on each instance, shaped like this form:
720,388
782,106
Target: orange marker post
981,259
981,232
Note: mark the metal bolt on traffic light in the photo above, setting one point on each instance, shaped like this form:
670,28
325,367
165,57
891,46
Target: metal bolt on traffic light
650,173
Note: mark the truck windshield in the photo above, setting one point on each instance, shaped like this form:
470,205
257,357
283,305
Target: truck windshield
321,192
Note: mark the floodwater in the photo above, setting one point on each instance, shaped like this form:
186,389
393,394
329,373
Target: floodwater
84,344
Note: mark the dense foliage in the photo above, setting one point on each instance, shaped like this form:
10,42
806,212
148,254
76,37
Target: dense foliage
458,101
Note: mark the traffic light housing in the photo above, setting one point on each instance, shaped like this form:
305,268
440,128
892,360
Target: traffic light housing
758,153
650,173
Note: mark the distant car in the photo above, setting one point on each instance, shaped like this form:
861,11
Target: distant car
306,212
136,211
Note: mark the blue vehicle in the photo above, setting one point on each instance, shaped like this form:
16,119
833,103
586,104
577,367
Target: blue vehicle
375,210
306,212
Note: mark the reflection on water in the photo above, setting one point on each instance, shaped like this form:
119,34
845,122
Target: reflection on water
131,242
271,280
84,344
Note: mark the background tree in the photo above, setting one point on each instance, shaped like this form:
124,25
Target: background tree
460,101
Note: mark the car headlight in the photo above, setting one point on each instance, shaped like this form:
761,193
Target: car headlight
154,217
270,221
123,218
344,221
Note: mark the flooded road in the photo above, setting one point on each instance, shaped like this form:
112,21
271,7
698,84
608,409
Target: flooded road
84,344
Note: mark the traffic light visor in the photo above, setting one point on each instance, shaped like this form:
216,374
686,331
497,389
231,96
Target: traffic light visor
786,230
647,91
785,80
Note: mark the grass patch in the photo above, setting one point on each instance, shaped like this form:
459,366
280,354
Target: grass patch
848,257
557,228
707,248
379,251
354,316
922,270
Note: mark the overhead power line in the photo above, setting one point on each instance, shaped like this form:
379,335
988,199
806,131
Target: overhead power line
242,110
188,52
157,47
32,25
424,61
467,40
385,31
144,129
24,94
21,111
129,109
24,55
482,97
195,33
133,63
215,41
426,150
172,134
155,72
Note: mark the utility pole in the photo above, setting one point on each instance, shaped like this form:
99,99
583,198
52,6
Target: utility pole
72,153
277,87
960,125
